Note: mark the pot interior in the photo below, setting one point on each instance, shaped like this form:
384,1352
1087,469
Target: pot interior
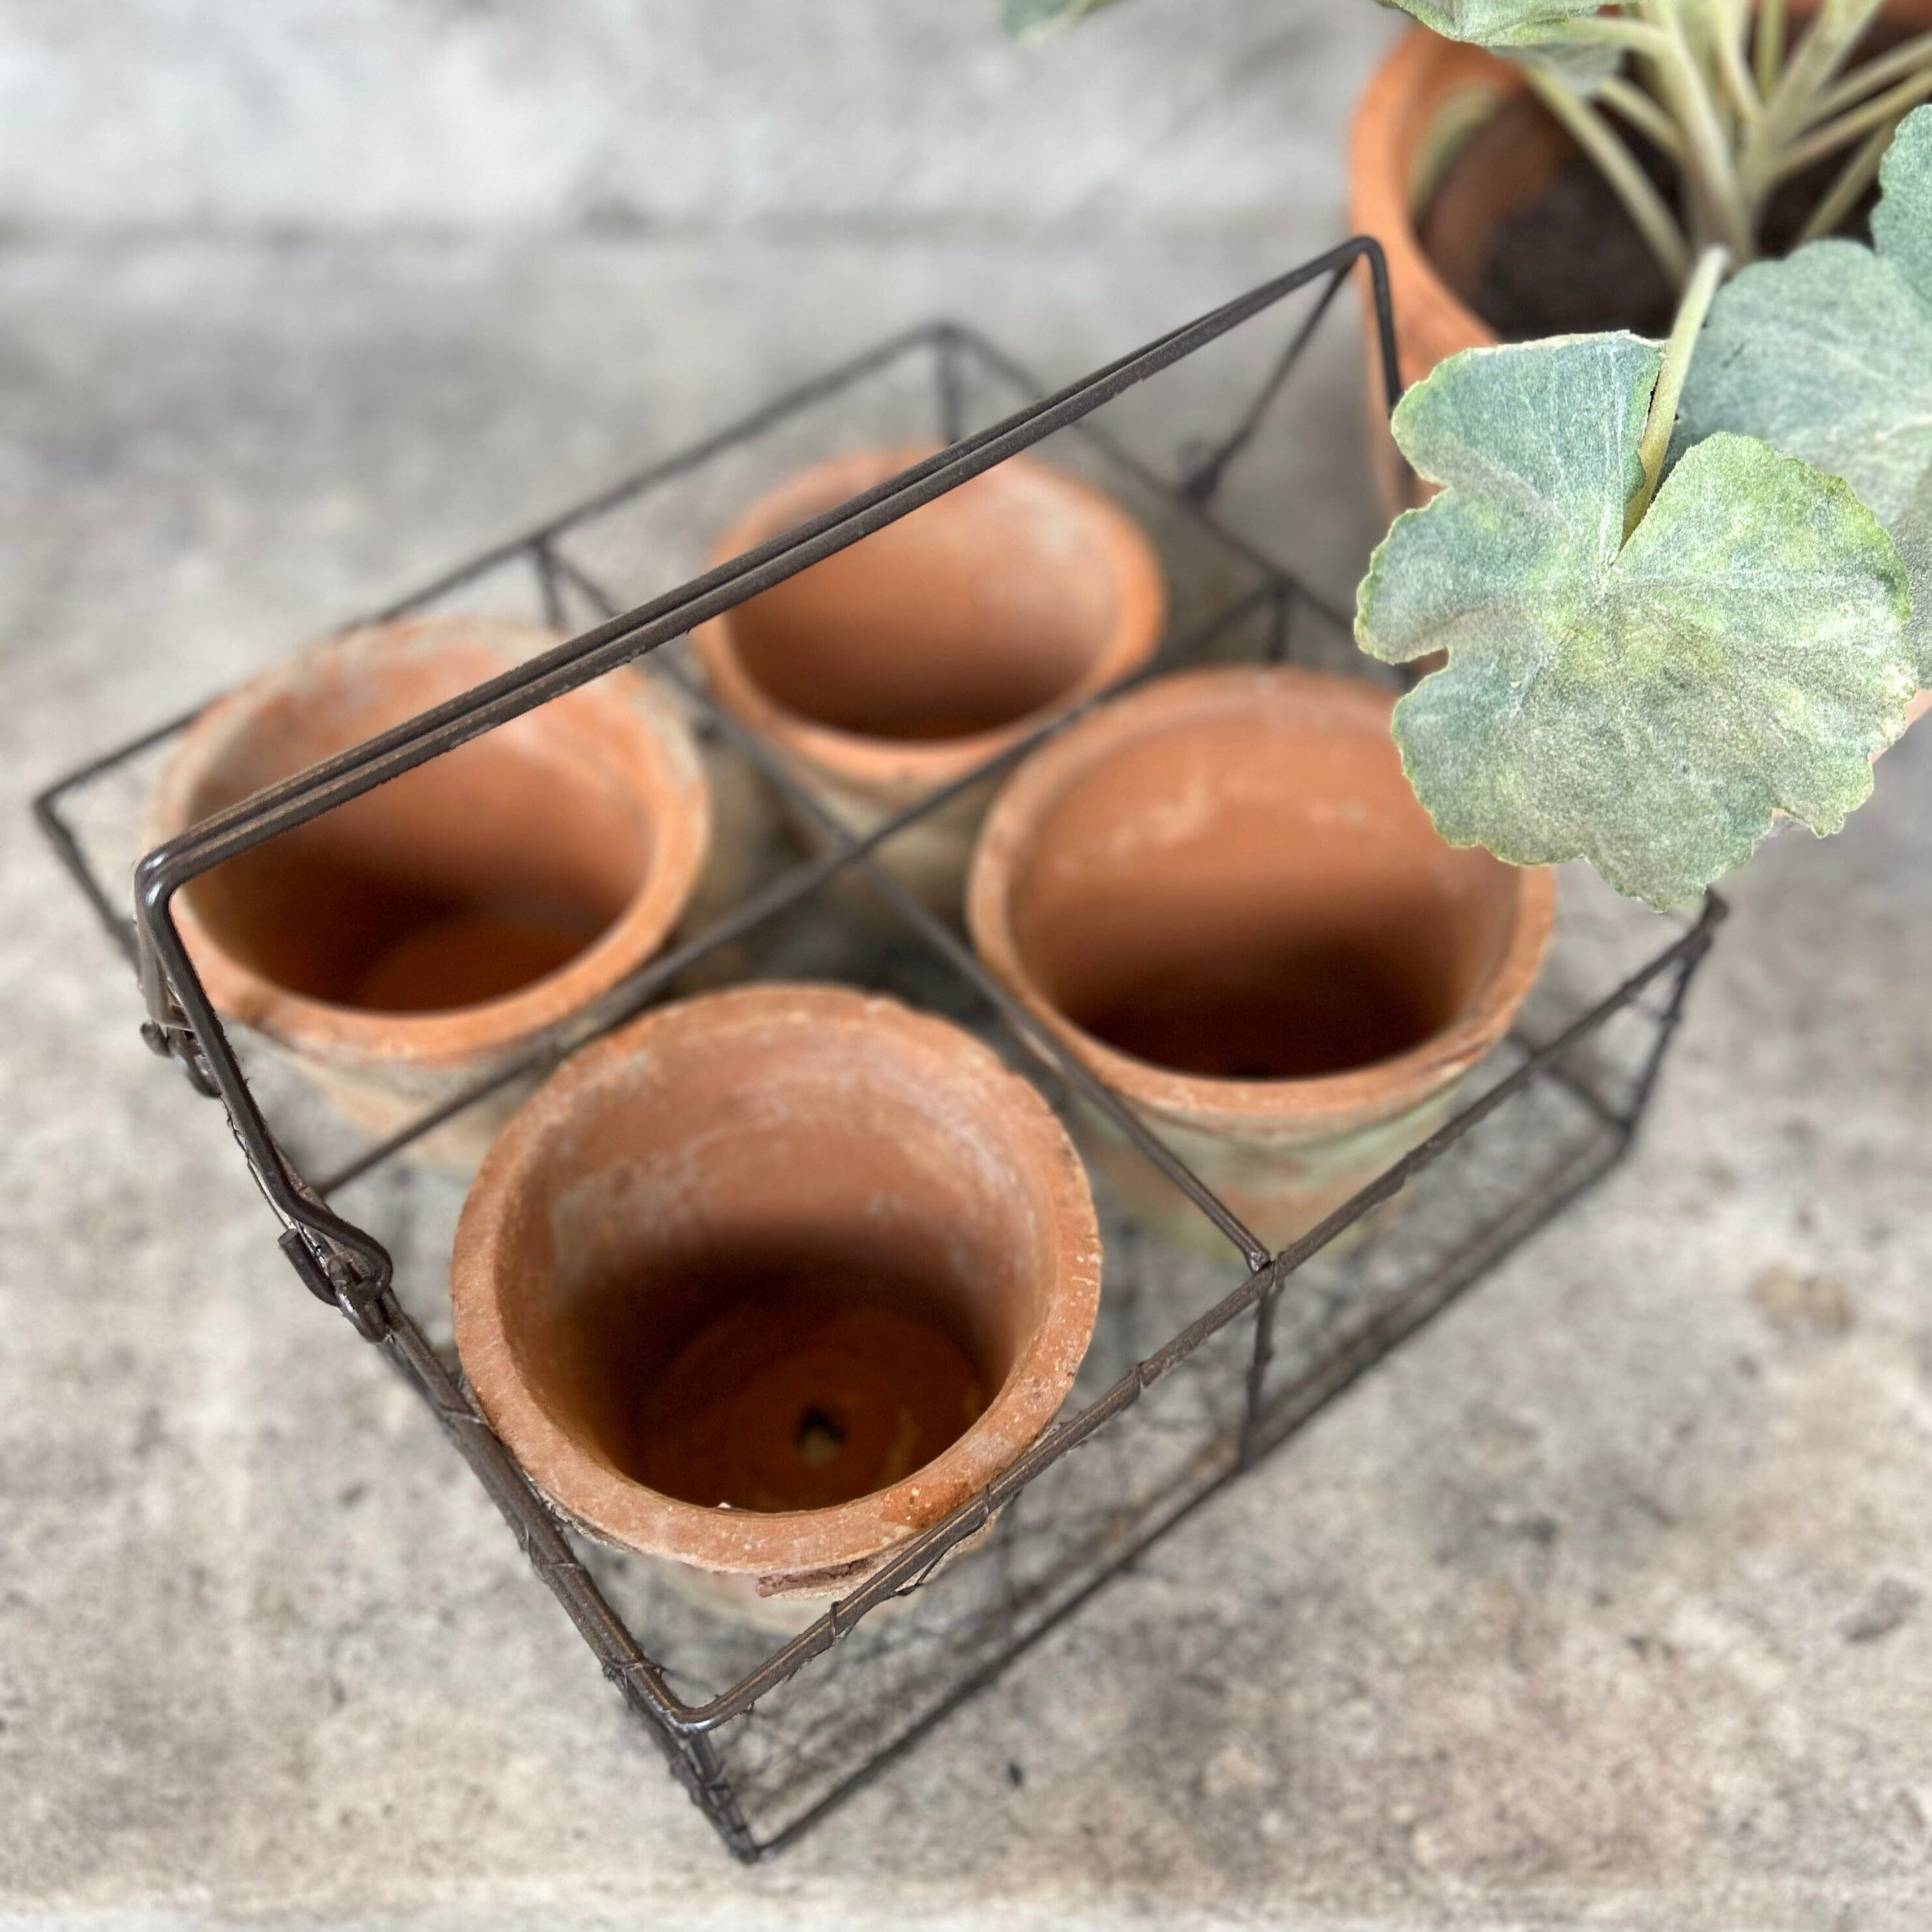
1255,894
1525,229
972,612
772,1276
461,882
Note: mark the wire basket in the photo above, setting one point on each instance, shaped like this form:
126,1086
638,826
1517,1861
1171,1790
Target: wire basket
1198,1368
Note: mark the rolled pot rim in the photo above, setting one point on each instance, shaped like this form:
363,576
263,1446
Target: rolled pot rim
794,1546
681,829
1387,140
1377,1090
917,765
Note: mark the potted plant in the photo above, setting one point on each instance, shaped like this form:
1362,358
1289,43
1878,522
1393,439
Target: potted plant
1674,583
1693,123
1533,167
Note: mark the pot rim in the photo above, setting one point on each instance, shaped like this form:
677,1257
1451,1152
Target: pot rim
663,765
794,1546
1400,110
1379,1090
915,766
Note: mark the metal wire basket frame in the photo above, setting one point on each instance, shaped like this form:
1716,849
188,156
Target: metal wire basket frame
344,1265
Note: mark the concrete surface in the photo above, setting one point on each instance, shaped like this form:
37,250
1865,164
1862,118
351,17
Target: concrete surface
1604,1606
661,116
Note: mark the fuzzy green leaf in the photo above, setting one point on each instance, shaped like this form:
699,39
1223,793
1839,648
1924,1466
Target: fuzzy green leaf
1497,23
1028,19
1581,66
1901,224
1828,356
1647,705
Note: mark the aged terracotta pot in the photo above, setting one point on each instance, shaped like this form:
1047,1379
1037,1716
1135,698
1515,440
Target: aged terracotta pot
772,1279
1427,102
1448,142
419,935
1221,893
893,668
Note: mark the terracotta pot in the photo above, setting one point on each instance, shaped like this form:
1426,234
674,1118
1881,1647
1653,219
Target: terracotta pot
1427,101
1447,143
1221,893
415,937
893,668
773,1279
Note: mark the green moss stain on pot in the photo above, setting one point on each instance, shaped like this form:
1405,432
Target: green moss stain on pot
890,670
413,939
1221,894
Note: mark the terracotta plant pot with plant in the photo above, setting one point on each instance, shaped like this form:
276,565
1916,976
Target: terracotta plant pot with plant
1572,179
419,936
1220,893
1569,181
772,1280
890,670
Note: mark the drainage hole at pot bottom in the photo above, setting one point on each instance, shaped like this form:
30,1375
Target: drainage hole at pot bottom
796,1382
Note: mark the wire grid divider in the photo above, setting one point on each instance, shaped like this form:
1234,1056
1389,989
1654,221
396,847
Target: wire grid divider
1218,1360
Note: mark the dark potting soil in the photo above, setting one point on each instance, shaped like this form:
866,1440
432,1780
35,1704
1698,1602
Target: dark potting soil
1573,260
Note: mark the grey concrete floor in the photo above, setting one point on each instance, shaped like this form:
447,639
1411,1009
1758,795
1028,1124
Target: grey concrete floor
1603,1605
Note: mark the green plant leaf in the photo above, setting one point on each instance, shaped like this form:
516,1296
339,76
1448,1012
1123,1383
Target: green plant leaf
1497,23
1028,19
1901,224
1581,66
1828,356
1648,705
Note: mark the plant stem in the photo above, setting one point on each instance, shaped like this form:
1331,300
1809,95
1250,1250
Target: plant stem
1709,161
1594,135
1729,24
1655,445
1697,30
1769,49
1853,179
1643,114
1836,28
1906,58
1879,113
1638,36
